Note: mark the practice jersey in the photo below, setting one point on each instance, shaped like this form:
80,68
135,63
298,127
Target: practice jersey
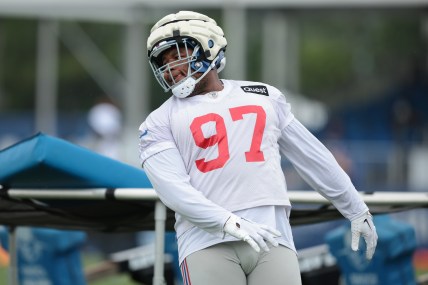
228,141
226,150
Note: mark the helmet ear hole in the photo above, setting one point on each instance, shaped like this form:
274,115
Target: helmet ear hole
200,66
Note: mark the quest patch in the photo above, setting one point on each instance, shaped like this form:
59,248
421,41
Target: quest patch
257,89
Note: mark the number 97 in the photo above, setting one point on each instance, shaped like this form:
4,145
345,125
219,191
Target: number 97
221,140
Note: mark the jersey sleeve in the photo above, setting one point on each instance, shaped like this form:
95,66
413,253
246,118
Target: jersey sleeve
168,175
155,135
282,107
318,167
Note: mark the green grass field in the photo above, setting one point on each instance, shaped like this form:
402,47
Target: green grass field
3,275
114,280
88,260
121,279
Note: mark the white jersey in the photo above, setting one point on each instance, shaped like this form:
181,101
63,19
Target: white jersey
230,143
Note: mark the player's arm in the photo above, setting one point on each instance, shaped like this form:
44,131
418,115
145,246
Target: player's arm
318,167
167,174
169,178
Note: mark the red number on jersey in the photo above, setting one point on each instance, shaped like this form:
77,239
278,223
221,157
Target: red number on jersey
237,114
220,138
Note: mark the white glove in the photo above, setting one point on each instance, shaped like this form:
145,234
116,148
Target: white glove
363,226
253,233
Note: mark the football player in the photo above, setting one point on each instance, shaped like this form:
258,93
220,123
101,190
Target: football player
213,151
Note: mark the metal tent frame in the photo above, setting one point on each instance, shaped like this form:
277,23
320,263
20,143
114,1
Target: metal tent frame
380,202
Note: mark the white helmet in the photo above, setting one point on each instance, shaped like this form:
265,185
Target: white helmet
191,30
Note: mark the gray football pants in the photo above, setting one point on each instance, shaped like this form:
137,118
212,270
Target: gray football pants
236,263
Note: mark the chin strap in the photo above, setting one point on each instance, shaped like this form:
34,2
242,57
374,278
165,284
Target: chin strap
185,87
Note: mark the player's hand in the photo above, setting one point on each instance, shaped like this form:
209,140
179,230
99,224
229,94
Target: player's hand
363,226
254,234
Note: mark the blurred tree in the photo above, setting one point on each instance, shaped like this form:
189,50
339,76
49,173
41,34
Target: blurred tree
18,63
77,89
350,56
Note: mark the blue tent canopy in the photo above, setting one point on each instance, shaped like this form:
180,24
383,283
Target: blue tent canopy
45,162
